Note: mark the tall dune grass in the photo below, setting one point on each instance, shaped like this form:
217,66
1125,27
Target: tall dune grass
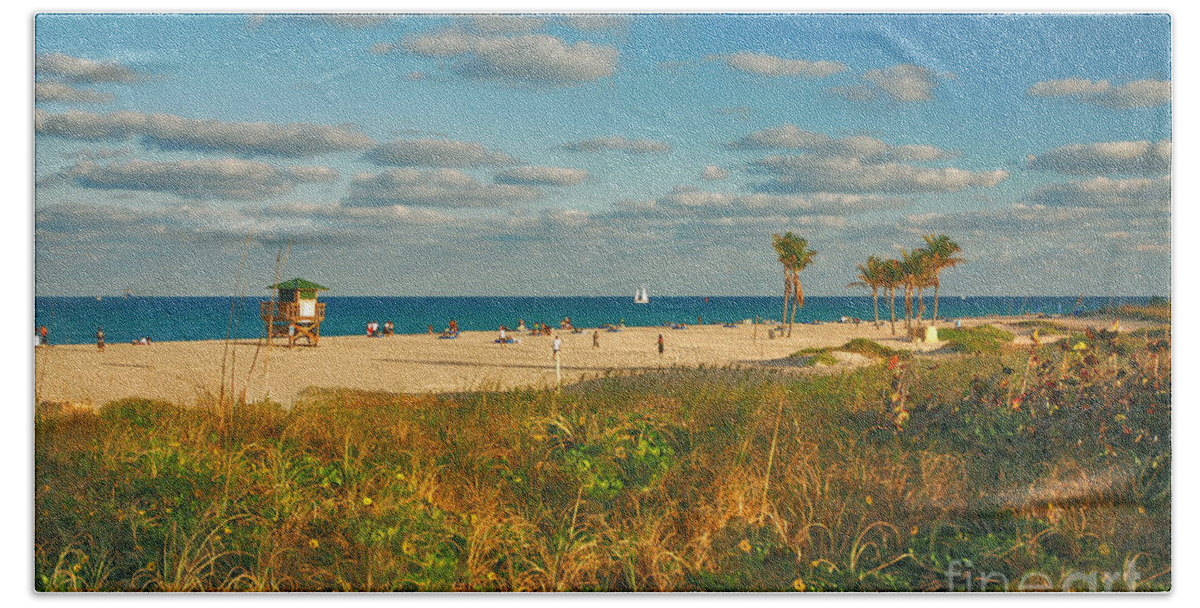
1055,460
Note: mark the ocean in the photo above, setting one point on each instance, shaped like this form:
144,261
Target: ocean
73,320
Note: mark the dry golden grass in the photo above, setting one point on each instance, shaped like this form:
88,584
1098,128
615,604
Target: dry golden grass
1054,459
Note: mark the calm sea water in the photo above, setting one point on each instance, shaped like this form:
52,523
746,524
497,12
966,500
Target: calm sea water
73,320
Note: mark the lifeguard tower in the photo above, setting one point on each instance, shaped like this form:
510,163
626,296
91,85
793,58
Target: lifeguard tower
295,312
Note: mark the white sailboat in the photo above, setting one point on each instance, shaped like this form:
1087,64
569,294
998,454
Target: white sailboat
641,296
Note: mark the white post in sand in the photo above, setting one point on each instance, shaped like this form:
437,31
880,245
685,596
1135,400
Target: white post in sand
557,361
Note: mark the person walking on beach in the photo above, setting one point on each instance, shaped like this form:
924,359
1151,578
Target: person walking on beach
596,339
100,339
503,336
660,345
45,336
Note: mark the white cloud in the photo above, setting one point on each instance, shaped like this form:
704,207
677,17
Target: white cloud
436,153
1126,157
433,188
530,58
1107,192
904,82
763,64
1136,94
166,131
865,147
63,93
541,176
620,143
687,201
814,173
203,179
784,136
714,173
78,69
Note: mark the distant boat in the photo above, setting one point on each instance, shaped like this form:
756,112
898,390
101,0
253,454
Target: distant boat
641,296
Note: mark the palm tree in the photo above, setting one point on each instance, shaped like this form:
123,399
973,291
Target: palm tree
795,256
941,250
893,277
871,275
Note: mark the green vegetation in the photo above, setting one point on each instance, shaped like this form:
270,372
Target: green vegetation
973,340
1158,313
871,348
813,356
1044,327
862,346
1054,459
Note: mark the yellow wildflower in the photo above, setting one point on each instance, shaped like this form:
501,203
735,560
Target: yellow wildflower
799,585
367,501
313,543
744,546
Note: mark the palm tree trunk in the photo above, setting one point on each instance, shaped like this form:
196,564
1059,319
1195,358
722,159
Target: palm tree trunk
908,308
875,297
787,293
892,292
798,294
937,286
920,305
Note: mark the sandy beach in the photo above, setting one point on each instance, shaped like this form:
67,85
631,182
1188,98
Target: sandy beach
186,372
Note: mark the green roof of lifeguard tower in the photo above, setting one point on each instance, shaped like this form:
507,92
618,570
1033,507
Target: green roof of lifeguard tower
299,285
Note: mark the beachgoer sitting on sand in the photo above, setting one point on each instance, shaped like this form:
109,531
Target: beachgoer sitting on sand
521,325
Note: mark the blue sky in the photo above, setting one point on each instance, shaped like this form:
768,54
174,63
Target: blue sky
446,155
